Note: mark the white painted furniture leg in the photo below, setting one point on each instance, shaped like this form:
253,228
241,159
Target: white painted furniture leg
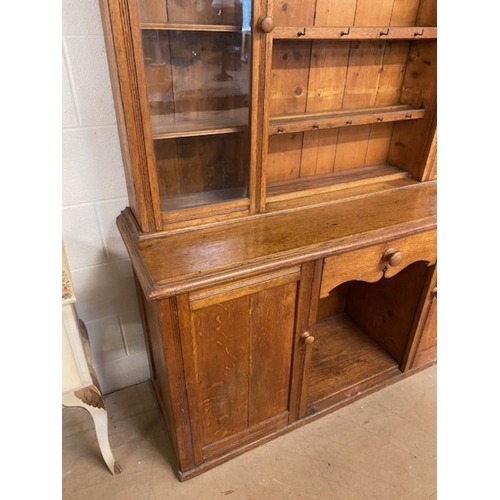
91,399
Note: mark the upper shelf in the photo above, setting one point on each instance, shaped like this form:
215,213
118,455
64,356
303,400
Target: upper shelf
200,123
355,32
303,122
190,27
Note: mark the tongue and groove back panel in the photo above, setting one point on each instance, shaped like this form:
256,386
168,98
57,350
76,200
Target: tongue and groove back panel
318,75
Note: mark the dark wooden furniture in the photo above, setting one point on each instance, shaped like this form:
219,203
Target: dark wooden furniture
281,171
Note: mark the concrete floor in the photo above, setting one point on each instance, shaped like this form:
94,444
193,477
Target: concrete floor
381,447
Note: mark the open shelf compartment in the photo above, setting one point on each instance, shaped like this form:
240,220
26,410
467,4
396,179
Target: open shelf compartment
361,336
337,108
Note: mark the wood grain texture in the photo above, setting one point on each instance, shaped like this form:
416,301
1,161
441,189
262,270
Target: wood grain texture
412,142
200,13
261,56
215,254
343,359
422,350
124,49
291,12
289,78
232,445
221,339
368,14
239,355
272,321
290,123
355,33
427,348
284,157
162,339
430,172
343,180
325,91
305,300
427,13
404,12
367,264
335,12
330,196
229,291
385,310
152,11
361,85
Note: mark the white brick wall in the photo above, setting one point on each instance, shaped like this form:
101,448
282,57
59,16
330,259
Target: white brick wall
94,193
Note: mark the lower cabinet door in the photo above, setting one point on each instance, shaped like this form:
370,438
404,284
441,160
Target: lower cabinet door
237,343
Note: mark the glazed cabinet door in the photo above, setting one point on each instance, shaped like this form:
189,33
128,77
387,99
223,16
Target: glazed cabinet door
238,342
196,58
181,72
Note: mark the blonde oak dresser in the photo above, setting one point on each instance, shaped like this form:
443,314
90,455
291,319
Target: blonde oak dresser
280,159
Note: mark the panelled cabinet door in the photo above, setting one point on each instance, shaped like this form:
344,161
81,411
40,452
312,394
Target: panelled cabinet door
238,343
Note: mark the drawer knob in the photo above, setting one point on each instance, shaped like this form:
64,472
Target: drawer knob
434,292
267,24
308,338
392,257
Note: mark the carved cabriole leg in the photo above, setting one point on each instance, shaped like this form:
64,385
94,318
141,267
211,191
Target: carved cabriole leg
91,399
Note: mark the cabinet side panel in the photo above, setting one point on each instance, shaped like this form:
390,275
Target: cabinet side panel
412,142
157,361
120,118
427,349
120,25
162,339
271,328
221,349
423,349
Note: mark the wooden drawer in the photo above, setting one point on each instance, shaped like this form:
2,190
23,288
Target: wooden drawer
384,259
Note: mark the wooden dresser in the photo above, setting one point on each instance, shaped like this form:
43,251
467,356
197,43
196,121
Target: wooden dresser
280,159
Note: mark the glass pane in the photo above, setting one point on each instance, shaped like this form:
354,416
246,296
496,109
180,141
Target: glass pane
194,171
210,12
198,86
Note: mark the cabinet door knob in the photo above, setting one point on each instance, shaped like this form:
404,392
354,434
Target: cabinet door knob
308,338
434,292
392,257
267,24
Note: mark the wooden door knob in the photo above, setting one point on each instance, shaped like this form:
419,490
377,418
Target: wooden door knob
267,24
308,338
434,292
392,257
